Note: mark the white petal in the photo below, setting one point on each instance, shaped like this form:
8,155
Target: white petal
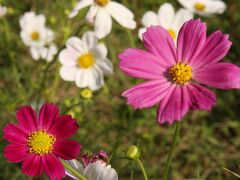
68,57
150,18
188,4
215,7
90,39
99,171
69,73
106,66
35,53
121,14
77,45
181,17
3,10
91,78
100,51
103,23
165,15
120,9
140,33
81,4
91,14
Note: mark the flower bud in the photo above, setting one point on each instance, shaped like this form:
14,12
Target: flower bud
86,93
133,152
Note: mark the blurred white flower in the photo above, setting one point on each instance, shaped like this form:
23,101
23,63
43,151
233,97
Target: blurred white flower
47,52
167,18
85,61
98,170
204,7
100,14
3,10
33,30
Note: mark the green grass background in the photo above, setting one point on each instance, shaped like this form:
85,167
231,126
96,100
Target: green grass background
208,141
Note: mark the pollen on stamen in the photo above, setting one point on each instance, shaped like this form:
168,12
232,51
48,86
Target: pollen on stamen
86,61
40,142
180,73
199,6
35,36
102,2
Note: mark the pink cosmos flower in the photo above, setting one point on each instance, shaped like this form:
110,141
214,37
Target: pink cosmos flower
38,142
174,73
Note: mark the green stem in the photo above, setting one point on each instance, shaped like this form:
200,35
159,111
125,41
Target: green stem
142,168
73,171
169,158
131,38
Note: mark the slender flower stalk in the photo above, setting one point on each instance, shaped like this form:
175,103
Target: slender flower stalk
169,158
73,171
142,169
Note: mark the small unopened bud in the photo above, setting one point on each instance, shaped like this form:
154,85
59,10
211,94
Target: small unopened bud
133,152
86,93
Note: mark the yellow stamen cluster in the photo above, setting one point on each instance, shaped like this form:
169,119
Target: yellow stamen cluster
35,36
86,61
40,142
172,33
102,2
199,6
180,73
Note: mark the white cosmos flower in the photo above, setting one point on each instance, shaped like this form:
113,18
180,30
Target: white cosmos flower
85,61
100,14
47,52
3,10
98,170
167,18
204,7
33,30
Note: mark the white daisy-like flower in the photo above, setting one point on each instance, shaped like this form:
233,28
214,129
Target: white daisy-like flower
33,30
98,170
85,62
204,7
46,52
3,10
167,18
100,14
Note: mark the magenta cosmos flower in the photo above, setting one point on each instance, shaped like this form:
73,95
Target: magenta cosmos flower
39,141
174,73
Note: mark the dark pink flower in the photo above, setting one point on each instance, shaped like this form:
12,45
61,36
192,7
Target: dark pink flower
40,141
174,73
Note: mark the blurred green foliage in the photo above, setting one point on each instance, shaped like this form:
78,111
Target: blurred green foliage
208,141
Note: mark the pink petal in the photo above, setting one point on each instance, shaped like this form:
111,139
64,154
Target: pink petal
15,152
158,41
53,167
27,118
201,98
48,114
67,149
141,64
64,127
220,75
191,39
32,165
216,47
14,134
147,94
174,105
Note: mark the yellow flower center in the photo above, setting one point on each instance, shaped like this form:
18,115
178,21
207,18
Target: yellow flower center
180,73
40,142
199,6
102,2
172,33
86,61
35,36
